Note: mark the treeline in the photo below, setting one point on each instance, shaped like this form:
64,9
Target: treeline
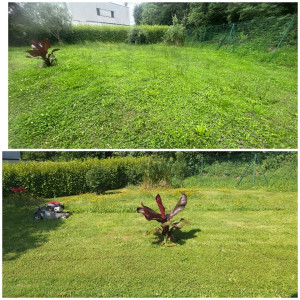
198,14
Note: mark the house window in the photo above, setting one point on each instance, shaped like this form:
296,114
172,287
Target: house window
105,13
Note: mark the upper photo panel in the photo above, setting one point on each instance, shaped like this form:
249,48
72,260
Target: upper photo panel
125,75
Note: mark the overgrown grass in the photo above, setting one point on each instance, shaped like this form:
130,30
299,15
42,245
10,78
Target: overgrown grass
151,96
239,244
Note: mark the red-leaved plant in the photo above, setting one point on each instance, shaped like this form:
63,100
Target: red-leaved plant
167,226
40,50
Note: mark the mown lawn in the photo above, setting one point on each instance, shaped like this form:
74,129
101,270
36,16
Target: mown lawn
239,244
152,96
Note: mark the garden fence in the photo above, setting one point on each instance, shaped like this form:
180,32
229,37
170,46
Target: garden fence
263,35
247,169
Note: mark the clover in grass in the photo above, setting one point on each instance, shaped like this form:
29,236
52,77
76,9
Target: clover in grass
40,50
167,225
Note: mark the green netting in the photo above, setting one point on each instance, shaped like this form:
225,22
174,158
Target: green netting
262,35
248,170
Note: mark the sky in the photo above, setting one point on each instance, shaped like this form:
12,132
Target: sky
131,6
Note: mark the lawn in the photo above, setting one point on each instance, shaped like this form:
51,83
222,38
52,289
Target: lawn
240,243
151,96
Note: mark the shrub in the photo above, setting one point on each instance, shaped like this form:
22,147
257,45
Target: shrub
157,173
98,179
137,35
155,33
176,34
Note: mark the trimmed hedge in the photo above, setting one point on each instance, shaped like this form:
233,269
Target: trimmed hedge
19,35
105,34
114,34
57,179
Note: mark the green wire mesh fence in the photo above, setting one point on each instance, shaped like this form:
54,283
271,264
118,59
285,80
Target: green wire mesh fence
262,35
247,170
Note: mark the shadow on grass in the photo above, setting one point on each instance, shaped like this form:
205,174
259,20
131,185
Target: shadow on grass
111,192
179,237
20,232
294,295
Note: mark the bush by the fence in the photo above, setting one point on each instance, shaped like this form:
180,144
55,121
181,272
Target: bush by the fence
175,35
56,179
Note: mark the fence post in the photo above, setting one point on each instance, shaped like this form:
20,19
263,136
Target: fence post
201,171
233,37
260,166
254,168
245,172
254,161
225,38
287,30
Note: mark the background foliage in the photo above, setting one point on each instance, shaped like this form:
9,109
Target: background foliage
52,20
163,169
197,14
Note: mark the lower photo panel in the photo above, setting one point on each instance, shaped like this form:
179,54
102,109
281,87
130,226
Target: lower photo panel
149,224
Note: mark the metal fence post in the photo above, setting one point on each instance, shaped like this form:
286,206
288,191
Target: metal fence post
201,171
287,30
254,168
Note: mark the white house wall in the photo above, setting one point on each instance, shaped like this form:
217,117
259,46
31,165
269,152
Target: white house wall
11,156
86,13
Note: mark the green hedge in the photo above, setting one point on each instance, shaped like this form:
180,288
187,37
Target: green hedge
113,34
19,35
105,34
56,179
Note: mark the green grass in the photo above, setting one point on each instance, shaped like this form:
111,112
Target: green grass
152,96
239,244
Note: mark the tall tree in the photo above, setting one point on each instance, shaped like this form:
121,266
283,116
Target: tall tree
52,17
137,14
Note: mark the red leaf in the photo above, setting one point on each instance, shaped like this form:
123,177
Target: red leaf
160,206
179,206
149,213
34,53
35,43
46,44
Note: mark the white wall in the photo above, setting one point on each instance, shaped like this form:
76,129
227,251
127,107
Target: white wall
11,156
86,13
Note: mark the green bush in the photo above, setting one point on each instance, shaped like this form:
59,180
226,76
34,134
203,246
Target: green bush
137,35
176,34
100,179
155,33
157,173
